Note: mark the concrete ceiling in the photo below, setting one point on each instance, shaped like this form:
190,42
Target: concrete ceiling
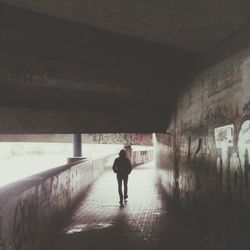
90,80
104,66
194,26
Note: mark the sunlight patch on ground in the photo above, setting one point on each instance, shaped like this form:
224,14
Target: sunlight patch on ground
87,227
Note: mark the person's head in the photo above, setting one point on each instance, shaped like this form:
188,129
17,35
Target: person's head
122,153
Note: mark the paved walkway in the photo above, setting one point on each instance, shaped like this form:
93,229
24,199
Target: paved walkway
143,222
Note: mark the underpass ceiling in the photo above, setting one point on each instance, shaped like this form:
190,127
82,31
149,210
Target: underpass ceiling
103,66
194,26
109,82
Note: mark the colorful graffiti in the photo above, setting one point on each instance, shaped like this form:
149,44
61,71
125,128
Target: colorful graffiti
224,136
246,107
244,149
119,138
25,223
244,135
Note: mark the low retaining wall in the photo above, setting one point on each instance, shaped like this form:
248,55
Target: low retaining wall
35,206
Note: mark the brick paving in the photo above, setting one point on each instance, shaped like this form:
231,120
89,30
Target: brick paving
144,222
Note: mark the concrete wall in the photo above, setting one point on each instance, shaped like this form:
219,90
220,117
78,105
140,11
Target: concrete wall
34,207
111,138
203,159
141,157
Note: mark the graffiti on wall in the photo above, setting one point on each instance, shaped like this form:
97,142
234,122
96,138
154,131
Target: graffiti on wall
223,77
246,107
104,138
233,164
244,135
224,136
110,139
244,149
141,139
119,138
25,227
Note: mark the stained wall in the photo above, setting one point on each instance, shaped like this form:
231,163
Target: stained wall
203,158
141,156
34,207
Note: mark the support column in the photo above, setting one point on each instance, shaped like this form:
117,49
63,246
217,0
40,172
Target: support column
77,145
77,149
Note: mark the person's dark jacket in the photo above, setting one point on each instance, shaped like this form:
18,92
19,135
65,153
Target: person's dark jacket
122,166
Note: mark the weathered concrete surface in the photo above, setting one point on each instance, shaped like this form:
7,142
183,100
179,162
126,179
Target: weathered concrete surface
118,138
203,159
47,63
188,25
141,156
144,222
36,121
35,206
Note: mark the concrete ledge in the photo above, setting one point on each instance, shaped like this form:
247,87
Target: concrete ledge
33,207
76,159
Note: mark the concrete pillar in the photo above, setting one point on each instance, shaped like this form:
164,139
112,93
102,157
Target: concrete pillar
77,149
77,145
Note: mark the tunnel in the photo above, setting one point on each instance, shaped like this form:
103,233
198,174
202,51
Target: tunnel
166,81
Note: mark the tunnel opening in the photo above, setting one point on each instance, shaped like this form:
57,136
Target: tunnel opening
33,184
23,159
24,155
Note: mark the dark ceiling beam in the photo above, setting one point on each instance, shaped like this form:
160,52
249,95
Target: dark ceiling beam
51,64
62,49
68,99
42,121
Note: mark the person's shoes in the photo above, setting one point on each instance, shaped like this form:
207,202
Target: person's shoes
125,198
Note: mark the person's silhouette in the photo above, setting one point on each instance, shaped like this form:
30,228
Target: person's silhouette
122,167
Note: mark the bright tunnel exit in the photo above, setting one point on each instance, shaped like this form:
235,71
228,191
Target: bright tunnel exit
21,159
44,183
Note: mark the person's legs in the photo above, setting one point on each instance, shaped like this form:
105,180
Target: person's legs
119,180
125,181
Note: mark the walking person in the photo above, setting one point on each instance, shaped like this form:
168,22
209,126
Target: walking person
122,167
